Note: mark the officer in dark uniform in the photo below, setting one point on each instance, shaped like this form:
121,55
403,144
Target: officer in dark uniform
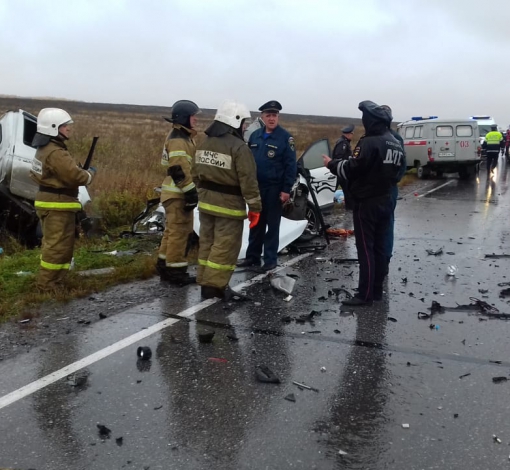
342,151
371,172
275,155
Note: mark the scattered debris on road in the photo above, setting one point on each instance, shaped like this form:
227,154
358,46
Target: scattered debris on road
437,252
104,432
144,352
206,336
266,375
290,397
306,387
498,380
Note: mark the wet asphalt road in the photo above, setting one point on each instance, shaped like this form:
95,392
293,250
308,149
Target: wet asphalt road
199,406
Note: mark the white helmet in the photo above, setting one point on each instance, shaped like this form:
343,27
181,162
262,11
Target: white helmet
50,119
232,113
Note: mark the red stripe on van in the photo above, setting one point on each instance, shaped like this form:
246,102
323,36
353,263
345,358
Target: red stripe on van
416,142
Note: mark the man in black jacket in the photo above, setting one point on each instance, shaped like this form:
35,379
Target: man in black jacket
370,174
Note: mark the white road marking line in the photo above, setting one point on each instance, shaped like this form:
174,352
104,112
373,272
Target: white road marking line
435,189
43,382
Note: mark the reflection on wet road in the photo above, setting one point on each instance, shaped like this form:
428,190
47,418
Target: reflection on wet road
199,405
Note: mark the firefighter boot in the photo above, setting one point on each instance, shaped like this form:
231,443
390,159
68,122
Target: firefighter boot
179,276
161,269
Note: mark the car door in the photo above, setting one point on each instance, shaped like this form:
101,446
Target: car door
323,181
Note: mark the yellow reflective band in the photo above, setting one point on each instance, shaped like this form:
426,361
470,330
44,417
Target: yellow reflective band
57,205
220,267
54,267
172,188
221,210
188,187
177,265
179,153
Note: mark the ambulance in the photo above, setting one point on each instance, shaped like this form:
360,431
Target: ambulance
441,146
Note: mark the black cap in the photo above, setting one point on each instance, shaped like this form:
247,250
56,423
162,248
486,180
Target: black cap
348,129
379,112
272,105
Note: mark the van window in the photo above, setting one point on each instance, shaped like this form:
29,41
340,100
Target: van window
418,131
464,131
29,130
444,131
409,132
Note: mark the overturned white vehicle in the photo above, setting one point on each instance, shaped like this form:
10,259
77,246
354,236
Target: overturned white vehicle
302,214
17,189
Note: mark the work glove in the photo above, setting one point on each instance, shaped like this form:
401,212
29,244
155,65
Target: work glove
190,199
254,218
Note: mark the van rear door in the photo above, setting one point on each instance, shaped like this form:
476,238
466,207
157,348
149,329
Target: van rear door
466,142
444,143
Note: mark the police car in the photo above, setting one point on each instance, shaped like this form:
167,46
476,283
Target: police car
441,145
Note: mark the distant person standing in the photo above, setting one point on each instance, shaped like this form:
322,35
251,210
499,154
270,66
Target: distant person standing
275,155
371,173
492,145
342,151
56,202
178,194
226,176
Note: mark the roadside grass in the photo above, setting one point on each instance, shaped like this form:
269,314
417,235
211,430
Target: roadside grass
19,296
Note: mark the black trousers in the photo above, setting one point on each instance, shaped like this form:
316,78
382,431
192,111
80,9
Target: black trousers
372,219
492,159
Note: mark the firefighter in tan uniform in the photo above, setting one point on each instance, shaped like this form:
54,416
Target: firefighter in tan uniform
226,176
178,194
56,203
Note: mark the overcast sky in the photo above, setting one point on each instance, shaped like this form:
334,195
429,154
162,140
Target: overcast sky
449,58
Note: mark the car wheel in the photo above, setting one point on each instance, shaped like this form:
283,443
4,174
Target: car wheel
312,216
422,172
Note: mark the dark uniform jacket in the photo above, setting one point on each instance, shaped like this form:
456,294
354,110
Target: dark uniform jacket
375,165
224,172
275,157
58,177
342,149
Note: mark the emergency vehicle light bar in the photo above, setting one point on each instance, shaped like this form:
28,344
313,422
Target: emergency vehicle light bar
421,118
481,117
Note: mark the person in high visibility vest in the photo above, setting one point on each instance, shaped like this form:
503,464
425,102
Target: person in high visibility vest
494,142
56,203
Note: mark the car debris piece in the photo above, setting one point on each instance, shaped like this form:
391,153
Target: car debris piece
307,387
339,232
505,293
220,360
456,415
465,375
96,272
437,252
496,439
307,317
284,284
498,380
405,426
342,452
483,291
451,270
496,256
121,253
394,320
323,369
503,284
339,290
290,397
288,298
26,320
144,352
104,432
206,336
102,316
266,375
404,280
423,315
77,380
119,441
337,332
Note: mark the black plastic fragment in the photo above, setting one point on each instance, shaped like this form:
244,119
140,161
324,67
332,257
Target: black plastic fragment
104,431
266,375
498,380
144,352
394,320
206,336
119,441
290,397
465,375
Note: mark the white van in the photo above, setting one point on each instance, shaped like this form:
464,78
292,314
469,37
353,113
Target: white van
441,145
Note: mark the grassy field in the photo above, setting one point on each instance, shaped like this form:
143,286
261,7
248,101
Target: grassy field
127,157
